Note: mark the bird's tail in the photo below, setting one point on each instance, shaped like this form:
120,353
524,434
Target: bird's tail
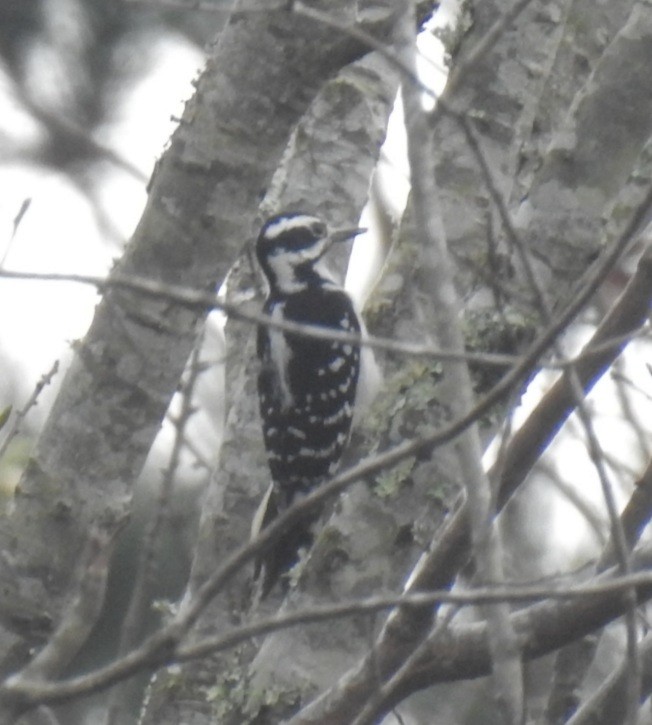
283,554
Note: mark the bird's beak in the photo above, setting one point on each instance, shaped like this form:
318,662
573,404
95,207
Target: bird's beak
343,234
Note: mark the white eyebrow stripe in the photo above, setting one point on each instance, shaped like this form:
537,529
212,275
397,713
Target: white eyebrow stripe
285,224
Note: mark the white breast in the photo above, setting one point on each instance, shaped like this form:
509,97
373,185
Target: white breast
280,355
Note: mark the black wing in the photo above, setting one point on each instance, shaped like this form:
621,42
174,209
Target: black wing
307,390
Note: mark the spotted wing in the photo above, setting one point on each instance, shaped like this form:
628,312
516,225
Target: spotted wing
307,390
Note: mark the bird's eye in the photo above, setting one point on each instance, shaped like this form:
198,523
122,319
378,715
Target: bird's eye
318,229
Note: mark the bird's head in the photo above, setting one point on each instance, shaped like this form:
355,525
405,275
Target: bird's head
290,245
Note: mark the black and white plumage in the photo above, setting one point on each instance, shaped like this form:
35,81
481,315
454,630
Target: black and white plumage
306,386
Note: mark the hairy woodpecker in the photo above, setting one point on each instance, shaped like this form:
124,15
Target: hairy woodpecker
306,386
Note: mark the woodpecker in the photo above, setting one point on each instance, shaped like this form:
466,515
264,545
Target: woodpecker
306,386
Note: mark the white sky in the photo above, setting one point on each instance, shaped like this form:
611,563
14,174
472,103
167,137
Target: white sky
59,232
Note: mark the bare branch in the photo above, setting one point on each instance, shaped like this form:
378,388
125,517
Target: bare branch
436,275
612,698
14,428
206,301
542,627
619,547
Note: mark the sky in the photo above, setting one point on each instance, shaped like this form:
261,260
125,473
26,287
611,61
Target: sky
61,231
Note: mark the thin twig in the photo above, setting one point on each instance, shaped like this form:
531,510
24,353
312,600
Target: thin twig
165,647
623,385
621,549
464,65
77,135
209,7
18,418
200,459
574,497
375,708
191,298
542,307
503,593
608,702
24,207
437,276
188,297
